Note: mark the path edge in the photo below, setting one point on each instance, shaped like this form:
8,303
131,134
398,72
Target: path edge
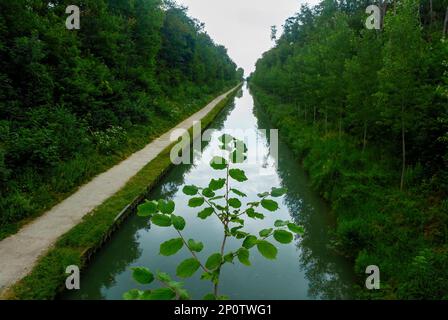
46,280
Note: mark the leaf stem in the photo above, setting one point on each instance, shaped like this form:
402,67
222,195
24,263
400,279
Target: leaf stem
192,252
226,227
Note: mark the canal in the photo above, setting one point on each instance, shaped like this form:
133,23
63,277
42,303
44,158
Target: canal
304,269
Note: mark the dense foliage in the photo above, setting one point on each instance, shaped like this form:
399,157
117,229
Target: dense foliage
367,110
73,102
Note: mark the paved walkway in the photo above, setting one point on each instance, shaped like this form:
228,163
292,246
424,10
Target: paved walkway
20,252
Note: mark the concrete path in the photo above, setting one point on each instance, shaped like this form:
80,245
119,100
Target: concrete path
20,252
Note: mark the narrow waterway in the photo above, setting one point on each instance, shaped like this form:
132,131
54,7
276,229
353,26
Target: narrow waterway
304,269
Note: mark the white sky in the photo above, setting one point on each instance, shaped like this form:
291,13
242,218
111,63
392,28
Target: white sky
243,26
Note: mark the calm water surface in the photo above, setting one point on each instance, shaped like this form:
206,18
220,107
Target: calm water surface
305,269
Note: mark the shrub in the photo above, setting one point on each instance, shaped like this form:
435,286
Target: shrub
111,140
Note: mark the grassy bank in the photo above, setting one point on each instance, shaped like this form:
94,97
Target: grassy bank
404,233
75,247
40,191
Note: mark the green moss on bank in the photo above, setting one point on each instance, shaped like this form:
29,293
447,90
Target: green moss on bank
74,248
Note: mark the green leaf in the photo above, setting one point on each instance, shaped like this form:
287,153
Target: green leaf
296,229
190,190
175,285
178,222
254,215
171,247
278,192
283,236
280,223
162,294
266,232
238,192
187,268
214,261
166,207
262,195
250,242
239,154
234,230
227,147
133,294
204,214
196,202
238,157
234,203
229,257
142,275
161,220
270,205
259,216
145,295
147,209
226,139
267,250
207,276
164,277
218,163
238,175
217,184
217,198
183,294
209,297
195,246
241,235
208,193
243,256
240,145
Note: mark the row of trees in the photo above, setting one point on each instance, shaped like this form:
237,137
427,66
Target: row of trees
387,87
362,108
65,92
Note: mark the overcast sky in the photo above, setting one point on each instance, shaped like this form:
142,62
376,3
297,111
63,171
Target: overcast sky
243,26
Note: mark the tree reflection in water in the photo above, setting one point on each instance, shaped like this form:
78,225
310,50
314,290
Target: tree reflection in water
326,272
123,250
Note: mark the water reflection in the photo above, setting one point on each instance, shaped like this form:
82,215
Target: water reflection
328,274
305,269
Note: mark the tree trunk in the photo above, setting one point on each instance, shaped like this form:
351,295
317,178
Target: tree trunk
445,25
326,120
403,143
431,12
364,140
383,7
314,119
340,126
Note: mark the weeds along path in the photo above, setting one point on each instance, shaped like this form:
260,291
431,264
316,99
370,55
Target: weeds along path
20,252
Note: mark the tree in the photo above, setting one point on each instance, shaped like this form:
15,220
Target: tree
361,75
401,73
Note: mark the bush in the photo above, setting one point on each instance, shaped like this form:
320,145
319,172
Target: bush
426,276
109,141
403,232
13,207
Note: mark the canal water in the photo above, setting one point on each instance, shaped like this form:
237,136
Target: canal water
304,269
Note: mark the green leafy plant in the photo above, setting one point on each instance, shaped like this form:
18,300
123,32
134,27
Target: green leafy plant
224,202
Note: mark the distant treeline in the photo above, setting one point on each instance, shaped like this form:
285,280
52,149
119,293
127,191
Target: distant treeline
368,111
73,102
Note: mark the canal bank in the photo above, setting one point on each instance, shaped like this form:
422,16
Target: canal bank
38,271
305,269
